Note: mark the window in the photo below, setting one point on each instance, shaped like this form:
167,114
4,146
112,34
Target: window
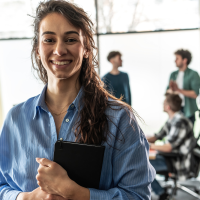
15,21
147,15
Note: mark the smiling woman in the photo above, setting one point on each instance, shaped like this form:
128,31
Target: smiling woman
74,106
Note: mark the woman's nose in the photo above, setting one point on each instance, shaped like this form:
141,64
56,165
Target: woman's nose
60,49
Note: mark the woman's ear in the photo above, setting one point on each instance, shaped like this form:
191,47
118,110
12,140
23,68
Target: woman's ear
85,54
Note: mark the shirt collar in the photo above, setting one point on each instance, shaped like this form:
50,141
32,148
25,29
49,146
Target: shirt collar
40,102
78,104
175,116
186,71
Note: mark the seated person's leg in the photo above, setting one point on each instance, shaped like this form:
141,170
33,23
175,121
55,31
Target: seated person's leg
160,165
156,187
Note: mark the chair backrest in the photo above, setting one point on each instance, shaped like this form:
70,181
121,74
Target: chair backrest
196,156
196,167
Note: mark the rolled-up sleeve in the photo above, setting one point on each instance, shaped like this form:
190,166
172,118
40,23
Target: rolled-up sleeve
195,83
6,192
132,171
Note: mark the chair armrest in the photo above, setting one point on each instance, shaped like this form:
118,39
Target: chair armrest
170,155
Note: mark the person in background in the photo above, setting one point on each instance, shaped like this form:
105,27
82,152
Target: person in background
117,82
178,131
74,106
186,83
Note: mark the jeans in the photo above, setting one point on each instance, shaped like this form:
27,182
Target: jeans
160,165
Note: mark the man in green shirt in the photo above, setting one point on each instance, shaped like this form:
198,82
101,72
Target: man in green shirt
186,83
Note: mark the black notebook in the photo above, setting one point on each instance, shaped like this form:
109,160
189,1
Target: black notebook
83,162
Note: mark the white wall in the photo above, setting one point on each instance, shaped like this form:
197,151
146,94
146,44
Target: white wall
148,58
16,78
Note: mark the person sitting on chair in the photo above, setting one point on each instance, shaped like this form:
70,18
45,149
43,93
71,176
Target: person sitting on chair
178,131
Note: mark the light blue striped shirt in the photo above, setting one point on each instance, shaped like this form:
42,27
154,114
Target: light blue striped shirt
29,131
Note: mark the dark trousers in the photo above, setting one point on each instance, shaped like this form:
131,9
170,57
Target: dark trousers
191,118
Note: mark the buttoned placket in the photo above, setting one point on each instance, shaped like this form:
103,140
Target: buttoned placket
66,124
53,133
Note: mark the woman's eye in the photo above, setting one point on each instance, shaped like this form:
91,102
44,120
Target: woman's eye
70,40
48,40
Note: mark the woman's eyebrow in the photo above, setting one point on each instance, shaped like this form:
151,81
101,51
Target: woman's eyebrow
66,33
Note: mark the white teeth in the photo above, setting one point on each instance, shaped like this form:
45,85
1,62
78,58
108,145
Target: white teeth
61,63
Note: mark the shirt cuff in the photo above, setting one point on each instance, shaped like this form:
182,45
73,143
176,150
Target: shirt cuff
12,194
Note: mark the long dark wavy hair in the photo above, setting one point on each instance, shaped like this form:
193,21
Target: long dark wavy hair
92,124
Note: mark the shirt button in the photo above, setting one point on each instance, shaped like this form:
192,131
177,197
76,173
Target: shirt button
72,105
67,120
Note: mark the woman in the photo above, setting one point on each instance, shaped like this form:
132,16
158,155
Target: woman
74,106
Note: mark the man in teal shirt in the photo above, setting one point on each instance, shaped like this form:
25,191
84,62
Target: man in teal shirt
186,83
117,82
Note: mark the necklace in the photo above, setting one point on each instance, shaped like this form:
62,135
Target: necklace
57,114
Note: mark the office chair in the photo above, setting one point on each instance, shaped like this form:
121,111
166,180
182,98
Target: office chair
172,173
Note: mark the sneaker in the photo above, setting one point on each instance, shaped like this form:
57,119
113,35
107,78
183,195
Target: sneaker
164,196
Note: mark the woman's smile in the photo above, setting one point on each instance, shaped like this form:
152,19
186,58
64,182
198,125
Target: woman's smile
60,64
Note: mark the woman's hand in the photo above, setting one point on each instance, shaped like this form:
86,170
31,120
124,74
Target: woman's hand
38,194
53,179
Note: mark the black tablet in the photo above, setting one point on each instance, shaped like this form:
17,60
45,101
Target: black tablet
83,162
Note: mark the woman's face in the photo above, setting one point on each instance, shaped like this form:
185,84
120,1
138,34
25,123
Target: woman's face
61,48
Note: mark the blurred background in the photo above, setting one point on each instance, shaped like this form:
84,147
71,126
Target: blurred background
146,32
